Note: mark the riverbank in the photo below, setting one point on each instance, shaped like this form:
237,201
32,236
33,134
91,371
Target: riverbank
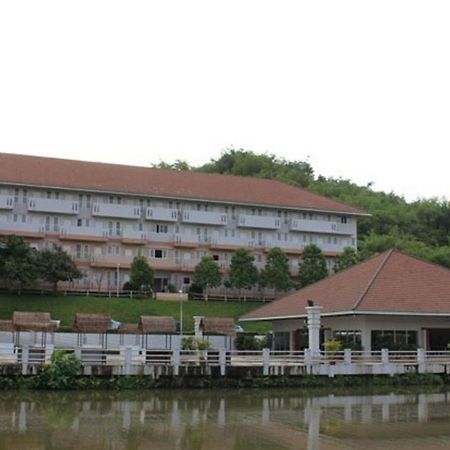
46,381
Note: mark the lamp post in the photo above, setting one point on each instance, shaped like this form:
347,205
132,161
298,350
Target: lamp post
118,279
181,312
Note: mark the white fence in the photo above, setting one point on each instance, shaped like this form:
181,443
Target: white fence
134,359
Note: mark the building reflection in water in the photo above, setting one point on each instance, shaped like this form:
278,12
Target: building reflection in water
219,420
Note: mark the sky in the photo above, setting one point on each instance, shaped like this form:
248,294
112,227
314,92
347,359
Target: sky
360,88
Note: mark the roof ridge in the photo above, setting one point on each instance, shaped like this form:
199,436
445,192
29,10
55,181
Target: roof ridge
420,259
372,280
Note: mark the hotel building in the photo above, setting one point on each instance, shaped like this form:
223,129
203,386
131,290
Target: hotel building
104,215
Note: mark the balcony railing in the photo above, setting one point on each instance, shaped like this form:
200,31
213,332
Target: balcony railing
6,202
52,206
114,210
162,214
83,233
322,226
21,228
247,221
204,217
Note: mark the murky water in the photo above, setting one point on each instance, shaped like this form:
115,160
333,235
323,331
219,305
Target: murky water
210,420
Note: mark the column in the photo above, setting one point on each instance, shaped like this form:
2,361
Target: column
313,313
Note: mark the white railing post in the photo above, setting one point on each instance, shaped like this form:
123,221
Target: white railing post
266,360
421,360
25,358
347,356
308,361
385,356
176,359
222,361
128,360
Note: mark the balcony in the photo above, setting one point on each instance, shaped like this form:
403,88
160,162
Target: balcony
322,226
270,223
162,214
116,211
22,229
190,240
112,261
204,217
83,234
6,202
294,248
227,243
50,205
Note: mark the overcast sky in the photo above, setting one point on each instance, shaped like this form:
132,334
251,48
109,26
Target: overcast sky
361,88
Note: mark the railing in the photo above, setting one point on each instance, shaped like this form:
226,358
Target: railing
347,362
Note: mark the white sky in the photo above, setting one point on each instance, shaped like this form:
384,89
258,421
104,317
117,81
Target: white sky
361,87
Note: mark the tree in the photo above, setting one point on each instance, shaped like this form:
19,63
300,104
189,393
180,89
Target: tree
346,259
18,266
207,274
56,265
276,271
313,266
243,273
141,274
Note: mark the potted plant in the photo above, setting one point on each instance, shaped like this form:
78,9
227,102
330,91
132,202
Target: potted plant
332,346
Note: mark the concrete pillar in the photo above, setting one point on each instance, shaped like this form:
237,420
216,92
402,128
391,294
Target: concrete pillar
176,361
421,360
385,356
128,357
266,361
198,332
347,356
25,358
313,313
222,361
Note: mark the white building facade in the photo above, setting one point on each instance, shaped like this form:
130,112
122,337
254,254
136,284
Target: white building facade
104,230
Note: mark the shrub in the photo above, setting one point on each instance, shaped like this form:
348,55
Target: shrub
62,371
332,346
192,343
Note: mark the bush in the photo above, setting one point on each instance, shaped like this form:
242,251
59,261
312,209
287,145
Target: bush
192,343
245,341
62,371
332,346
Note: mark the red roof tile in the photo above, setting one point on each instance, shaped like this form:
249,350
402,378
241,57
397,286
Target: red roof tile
92,176
389,282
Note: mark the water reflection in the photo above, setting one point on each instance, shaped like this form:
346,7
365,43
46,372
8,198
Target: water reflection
289,419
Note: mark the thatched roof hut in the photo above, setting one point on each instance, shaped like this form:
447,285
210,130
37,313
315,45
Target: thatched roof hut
129,328
157,325
92,323
32,321
218,325
6,325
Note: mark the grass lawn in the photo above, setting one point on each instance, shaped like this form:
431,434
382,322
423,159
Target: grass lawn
128,310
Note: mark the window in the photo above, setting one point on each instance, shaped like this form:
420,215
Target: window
394,339
186,280
25,196
79,222
343,219
78,251
80,200
88,201
56,195
157,253
86,252
281,341
216,257
16,195
349,338
161,228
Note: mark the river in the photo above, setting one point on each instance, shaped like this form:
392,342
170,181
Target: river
222,420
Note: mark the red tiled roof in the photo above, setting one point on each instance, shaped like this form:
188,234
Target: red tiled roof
92,176
390,282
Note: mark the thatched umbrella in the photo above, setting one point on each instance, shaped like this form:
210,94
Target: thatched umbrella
223,326
92,323
157,325
6,325
129,328
33,321
218,325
